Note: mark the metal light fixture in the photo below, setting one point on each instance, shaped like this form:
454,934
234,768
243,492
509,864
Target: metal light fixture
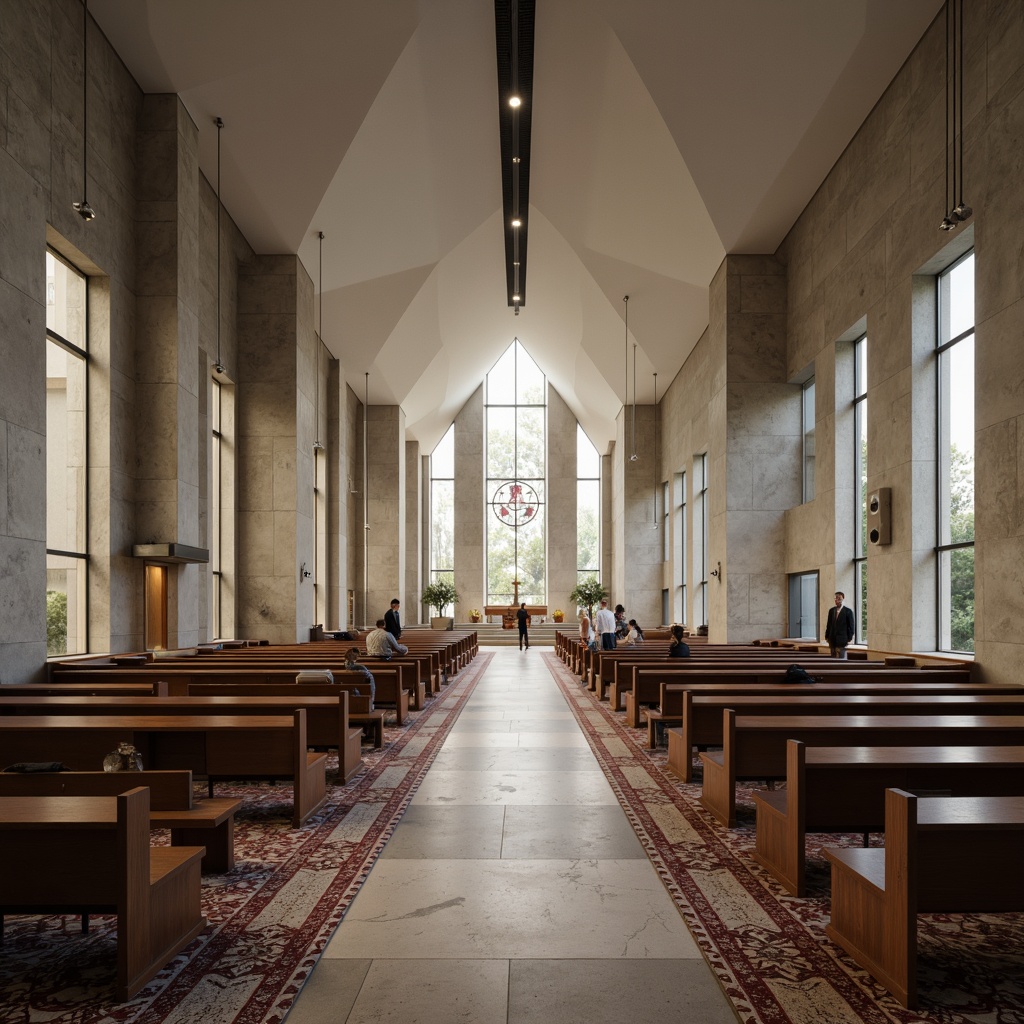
317,446
83,209
655,460
219,365
954,154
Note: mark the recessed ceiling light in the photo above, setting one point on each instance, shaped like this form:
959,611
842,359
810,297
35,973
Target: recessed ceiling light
514,101
516,222
515,159
515,298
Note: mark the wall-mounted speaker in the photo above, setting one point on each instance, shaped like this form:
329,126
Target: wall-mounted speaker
880,516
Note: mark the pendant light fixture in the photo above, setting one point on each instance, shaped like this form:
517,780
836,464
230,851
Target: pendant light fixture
954,152
83,209
366,502
655,460
625,402
317,446
218,366
633,455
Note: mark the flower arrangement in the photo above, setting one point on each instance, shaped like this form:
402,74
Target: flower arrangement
559,615
474,614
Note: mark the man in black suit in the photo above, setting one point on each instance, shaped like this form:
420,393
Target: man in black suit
392,620
840,628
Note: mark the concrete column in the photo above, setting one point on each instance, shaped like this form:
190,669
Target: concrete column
560,508
386,508
762,463
275,446
470,558
168,423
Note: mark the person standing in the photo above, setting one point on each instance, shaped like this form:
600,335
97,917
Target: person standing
840,627
523,618
604,623
392,619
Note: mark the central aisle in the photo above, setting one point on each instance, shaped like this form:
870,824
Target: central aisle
514,890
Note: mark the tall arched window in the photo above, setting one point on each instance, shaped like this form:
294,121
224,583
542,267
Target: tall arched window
588,508
442,507
67,556
516,425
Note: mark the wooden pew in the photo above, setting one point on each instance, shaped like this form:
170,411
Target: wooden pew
842,789
700,715
328,722
360,713
92,855
219,746
101,687
755,747
945,854
209,823
646,683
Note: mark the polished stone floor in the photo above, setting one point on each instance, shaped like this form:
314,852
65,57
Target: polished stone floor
514,890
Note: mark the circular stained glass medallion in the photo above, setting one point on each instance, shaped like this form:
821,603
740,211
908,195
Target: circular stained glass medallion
515,503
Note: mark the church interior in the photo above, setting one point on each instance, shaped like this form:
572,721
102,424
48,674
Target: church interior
300,315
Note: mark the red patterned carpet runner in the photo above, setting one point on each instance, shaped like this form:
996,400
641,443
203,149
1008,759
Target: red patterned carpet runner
767,948
269,918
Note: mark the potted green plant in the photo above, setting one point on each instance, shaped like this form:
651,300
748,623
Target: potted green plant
587,593
439,595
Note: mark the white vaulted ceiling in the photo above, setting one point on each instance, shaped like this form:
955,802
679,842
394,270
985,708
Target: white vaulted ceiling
666,133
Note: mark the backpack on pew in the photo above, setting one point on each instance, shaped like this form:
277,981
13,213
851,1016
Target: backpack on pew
798,674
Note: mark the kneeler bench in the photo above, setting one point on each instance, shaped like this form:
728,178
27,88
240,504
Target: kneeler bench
942,855
80,855
209,823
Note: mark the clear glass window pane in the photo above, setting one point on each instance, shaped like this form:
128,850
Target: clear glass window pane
808,431
65,302
588,462
501,381
958,308
65,450
861,601
956,600
442,525
956,369
530,443
65,606
442,458
588,510
529,380
501,442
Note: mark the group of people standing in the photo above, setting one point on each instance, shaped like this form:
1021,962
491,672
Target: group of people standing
611,627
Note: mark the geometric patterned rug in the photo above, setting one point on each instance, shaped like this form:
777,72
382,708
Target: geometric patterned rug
268,920
768,949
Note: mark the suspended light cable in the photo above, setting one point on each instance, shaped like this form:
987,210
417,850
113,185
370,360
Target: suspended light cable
366,503
218,366
633,455
962,211
84,210
317,446
655,460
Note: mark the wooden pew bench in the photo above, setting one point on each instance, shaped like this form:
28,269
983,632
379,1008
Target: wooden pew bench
942,855
209,823
327,717
700,715
755,747
842,789
219,746
80,855
646,682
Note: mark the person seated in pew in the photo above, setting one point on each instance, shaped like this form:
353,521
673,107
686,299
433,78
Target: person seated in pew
677,646
352,665
381,644
634,636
